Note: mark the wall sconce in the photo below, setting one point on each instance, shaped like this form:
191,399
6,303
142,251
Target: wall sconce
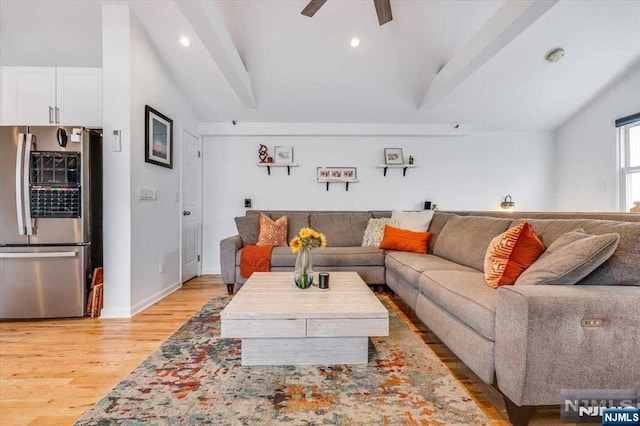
508,204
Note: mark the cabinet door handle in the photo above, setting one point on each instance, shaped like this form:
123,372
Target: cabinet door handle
50,114
57,115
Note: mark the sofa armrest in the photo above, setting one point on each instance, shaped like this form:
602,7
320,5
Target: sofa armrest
542,346
228,248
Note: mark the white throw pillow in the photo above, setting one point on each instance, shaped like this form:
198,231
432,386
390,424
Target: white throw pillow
375,231
414,221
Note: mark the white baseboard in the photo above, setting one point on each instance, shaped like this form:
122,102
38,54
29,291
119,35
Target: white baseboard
141,306
207,271
115,313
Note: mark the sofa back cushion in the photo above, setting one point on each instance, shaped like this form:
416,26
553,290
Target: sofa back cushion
435,227
248,228
343,229
622,268
464,239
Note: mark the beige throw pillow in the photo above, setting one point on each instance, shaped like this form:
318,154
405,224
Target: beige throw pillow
570,258
375,230
413,221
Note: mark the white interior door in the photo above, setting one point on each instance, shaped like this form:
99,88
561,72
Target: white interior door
191,217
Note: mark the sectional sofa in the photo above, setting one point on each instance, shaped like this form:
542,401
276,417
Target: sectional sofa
530,341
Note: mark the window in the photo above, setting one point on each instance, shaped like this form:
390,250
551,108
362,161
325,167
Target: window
629,149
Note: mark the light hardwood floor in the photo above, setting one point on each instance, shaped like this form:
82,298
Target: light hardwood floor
52,371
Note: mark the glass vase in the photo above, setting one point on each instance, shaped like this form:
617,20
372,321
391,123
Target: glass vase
303,272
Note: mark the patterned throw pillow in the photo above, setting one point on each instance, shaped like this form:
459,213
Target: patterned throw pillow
510,253
375,230
272,233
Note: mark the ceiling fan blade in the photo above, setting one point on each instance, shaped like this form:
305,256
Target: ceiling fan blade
313,7
383,9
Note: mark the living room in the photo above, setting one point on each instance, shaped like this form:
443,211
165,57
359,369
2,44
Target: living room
505,122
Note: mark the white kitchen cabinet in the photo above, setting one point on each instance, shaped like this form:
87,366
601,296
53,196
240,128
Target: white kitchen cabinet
45,95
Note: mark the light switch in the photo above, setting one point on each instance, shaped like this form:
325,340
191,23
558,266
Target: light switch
147,194
116,144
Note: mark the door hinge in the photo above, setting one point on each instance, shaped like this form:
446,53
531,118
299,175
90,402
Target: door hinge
198,258
198,154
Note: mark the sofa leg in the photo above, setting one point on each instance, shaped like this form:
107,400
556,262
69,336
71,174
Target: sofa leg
230,289
518,415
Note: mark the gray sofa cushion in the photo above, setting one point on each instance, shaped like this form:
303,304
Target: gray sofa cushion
409,266
248,228
341,229
622,268
465,239
570,258
438,222
465,295
330,256
295,222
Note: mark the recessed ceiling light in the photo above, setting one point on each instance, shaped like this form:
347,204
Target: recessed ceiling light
355,42
185,41
555,55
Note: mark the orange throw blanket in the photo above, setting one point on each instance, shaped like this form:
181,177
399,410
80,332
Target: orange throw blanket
255,259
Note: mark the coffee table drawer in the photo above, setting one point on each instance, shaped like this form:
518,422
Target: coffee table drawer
343,327
264,328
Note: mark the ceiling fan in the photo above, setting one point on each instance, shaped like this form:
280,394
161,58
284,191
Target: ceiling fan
383,9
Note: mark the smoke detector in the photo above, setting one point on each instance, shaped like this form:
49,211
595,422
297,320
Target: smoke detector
555,55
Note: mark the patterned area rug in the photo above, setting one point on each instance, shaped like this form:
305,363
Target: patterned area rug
195,378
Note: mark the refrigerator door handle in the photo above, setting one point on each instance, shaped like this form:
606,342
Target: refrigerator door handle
38,255
30,139
19,203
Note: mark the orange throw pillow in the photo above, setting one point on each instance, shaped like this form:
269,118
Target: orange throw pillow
510,253
404,240
272,233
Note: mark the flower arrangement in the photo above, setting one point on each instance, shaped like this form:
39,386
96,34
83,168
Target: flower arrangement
307,238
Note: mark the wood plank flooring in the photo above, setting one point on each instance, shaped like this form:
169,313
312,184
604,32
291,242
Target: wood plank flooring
52,371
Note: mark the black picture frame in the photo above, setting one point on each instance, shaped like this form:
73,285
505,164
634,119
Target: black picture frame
158,138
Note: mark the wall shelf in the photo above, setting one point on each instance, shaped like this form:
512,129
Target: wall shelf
346,183
404,167
270,165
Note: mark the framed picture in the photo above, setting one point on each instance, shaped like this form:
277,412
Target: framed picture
158,138
283,154
337,174
393,156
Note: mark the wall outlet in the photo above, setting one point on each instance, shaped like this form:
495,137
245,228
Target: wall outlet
161,267
247,203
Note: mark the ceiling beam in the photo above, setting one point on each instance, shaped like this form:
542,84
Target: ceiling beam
511,19
212,31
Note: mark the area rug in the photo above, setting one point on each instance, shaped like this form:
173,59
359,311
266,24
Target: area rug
195,378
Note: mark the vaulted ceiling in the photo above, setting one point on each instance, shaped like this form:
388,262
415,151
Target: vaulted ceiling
478,63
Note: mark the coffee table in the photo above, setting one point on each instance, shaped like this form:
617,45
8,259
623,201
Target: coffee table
280,324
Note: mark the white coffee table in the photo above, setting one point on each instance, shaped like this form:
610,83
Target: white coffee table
280,324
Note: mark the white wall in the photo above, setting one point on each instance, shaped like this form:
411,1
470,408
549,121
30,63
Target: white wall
116,74
62,33
473,172
138,235
586,173
155,224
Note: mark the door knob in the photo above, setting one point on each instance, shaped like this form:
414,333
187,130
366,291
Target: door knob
186,213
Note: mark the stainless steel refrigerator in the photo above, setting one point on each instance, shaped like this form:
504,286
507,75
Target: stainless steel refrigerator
45,220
